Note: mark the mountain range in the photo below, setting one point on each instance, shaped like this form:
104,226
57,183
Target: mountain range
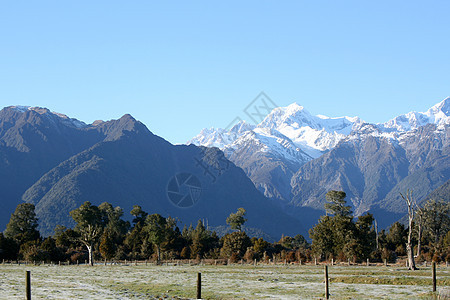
278,170
58,163
295,157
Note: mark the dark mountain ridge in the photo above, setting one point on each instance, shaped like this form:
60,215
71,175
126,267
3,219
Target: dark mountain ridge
122,162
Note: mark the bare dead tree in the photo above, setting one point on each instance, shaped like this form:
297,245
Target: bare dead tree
409,247
419,214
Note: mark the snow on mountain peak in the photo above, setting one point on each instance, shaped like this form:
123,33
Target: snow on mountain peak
443,106
309,134
20,108
293,108
438,114
242,126
296,130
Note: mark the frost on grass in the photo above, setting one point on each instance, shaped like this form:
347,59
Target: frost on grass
218,282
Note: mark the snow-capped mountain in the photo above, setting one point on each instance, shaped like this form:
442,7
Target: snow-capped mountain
272,151
293,127
439,114
311,134
221,138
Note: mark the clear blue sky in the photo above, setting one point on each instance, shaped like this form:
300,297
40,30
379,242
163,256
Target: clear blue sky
180,66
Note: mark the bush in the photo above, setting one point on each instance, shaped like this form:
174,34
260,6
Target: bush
78,256
185,253
249,255
437,258
290,256
234,258
400,250
376,256
389,255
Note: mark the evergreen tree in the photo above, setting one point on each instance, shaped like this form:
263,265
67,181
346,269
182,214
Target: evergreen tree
22,226
237,219
436,219
235,243
89,226
8,248
336,204
155,226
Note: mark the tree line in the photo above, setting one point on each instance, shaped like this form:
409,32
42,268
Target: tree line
102,233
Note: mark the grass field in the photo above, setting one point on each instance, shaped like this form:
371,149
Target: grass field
220,282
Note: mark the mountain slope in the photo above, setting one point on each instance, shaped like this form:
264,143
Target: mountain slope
134,166
32,142
271,152
373,169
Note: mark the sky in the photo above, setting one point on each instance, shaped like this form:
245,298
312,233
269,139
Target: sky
180,66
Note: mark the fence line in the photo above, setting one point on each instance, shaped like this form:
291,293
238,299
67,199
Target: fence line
199,282
215,262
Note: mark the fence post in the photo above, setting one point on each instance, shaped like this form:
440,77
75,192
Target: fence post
434,276
199,285
28,285
368,264
327,292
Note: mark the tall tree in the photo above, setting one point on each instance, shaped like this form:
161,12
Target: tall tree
235,243
396,237
8,248
336,204
411,204
237,219
89,226
137,240
322,236
114,229
155,226
338,235
22,226
202,240
138,214
366,234
436,219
